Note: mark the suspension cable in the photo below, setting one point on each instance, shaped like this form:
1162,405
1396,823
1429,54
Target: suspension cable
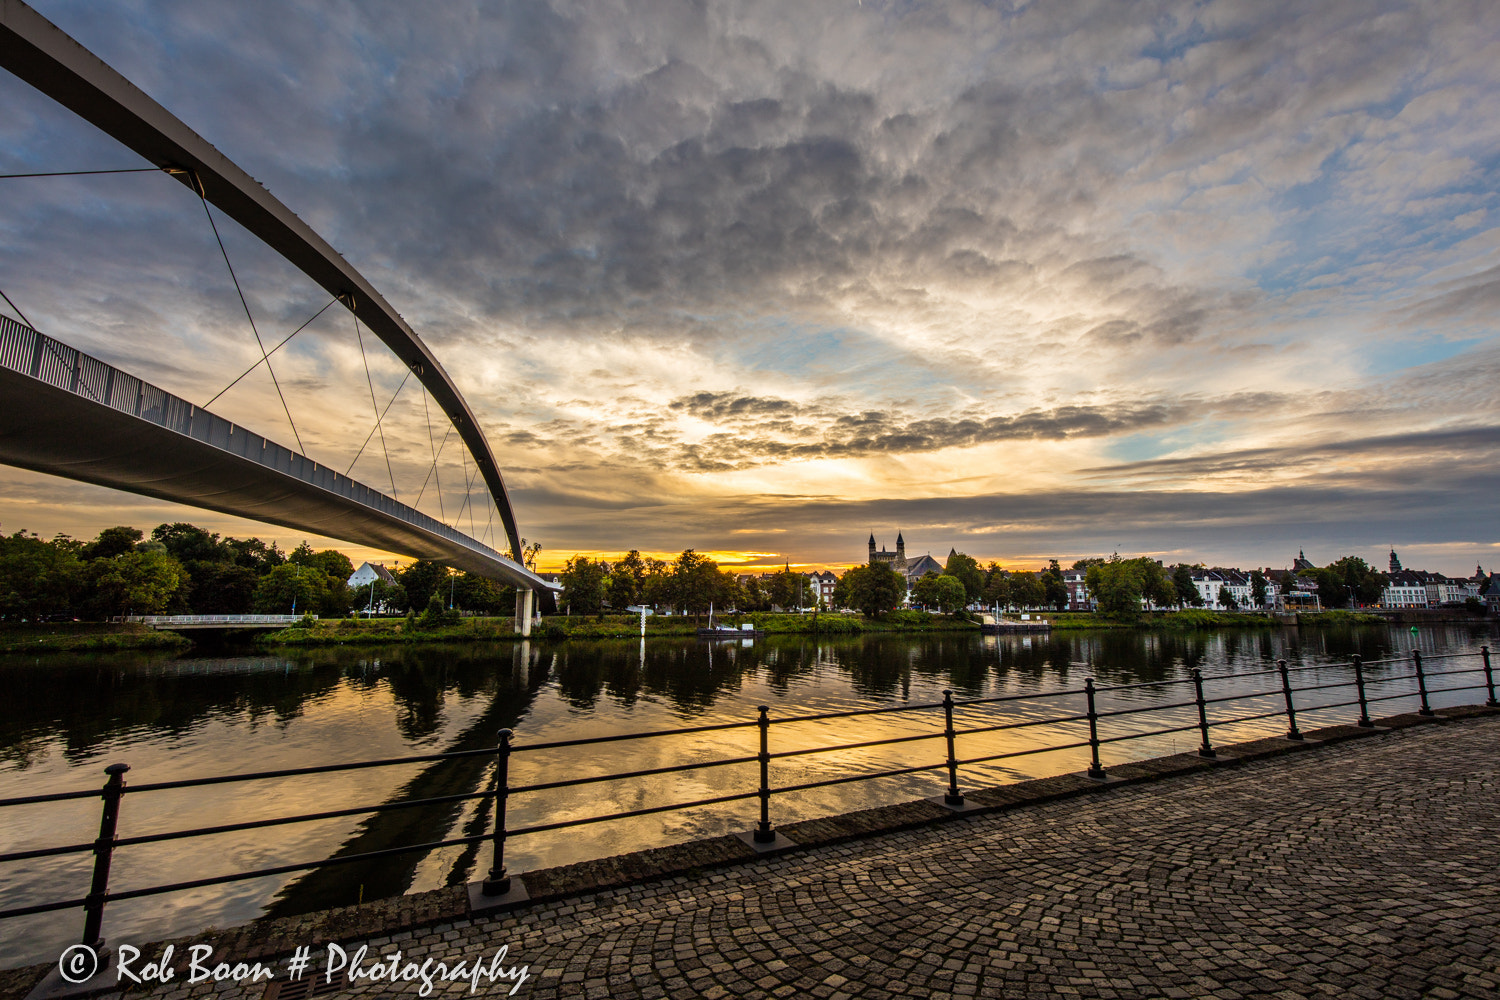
198,186
431,472
16,308
377,422
375,407
427,415
273,350
82,173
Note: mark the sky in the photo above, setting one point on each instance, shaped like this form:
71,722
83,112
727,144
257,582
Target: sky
1212,282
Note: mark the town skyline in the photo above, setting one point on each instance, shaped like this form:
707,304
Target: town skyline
1191,281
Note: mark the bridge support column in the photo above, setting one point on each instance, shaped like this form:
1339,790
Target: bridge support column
525,601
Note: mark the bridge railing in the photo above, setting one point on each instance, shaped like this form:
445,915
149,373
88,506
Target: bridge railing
28,352
167,621
1203,707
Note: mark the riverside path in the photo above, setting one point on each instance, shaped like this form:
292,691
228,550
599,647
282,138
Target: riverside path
1361,868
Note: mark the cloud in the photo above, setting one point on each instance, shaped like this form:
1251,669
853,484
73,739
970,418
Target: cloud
674,249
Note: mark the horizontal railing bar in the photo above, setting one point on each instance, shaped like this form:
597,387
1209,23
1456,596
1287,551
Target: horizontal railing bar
1323,687
544,827
1298,668
862,711
1240,697
255,824
1022,753
1393,677
1247,718
1152,732
1393,697
157,890
1445,656
1450,673
297,771
1324,708
617,737
1019,725
827,782
46,852
26,911
673,769
26,800
1149,708
1146,684
856,746
1018,697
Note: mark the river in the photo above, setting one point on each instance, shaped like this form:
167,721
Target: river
180,716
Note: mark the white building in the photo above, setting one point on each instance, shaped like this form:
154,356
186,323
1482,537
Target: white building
1210,582
1406,589
368,572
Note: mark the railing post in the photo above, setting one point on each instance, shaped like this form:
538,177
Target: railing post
1286,691
104,849
1359,685
953,796
1489,678
1207,749
498,883
763,832
1416,659
1096,771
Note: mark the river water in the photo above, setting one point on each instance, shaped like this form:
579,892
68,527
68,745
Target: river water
173,717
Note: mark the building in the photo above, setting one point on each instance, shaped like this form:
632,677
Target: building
1078,590
1211,582
1405,589
820,587
1303,563
368,572
910,569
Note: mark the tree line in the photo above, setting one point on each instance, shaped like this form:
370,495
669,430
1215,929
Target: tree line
184,569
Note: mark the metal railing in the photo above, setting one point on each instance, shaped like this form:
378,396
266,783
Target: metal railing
973,722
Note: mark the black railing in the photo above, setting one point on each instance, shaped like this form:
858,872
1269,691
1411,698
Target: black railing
958,718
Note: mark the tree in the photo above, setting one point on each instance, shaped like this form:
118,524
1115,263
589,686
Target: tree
997,586
421,580
379,597
1026,590
255,554
112,542
1226,599
787,589
583,583
1258,588
965,569
872,590
1187,591
295,589
39,578
943,592
695,582
140,583
1054,590
1156,586
1116,587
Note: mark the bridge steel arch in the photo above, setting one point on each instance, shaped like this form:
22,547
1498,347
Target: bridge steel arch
43,55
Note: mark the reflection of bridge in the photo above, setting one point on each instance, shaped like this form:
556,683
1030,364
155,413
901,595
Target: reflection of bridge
68,414
176,623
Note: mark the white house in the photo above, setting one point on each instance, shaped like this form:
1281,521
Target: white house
368,572
1406,589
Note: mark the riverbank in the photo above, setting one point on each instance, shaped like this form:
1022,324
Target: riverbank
84,637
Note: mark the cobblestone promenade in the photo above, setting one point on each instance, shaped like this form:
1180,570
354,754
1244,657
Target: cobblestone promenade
1362,869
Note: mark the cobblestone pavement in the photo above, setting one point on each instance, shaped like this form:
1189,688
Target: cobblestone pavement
1363,869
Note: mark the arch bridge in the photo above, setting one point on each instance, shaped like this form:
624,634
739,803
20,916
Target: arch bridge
69,414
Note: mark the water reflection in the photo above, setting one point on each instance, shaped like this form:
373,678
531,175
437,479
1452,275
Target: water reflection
69,715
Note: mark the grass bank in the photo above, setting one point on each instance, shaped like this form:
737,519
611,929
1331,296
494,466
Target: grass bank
398,630
75,637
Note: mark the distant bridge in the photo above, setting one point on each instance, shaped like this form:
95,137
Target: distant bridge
177,623
71,415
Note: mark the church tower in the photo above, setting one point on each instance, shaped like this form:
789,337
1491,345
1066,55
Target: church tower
1395,562
900,547
872,548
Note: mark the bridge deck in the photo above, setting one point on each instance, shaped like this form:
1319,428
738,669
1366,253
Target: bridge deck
69,414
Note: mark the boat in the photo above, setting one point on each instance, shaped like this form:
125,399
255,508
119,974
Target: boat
997,625
746,631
